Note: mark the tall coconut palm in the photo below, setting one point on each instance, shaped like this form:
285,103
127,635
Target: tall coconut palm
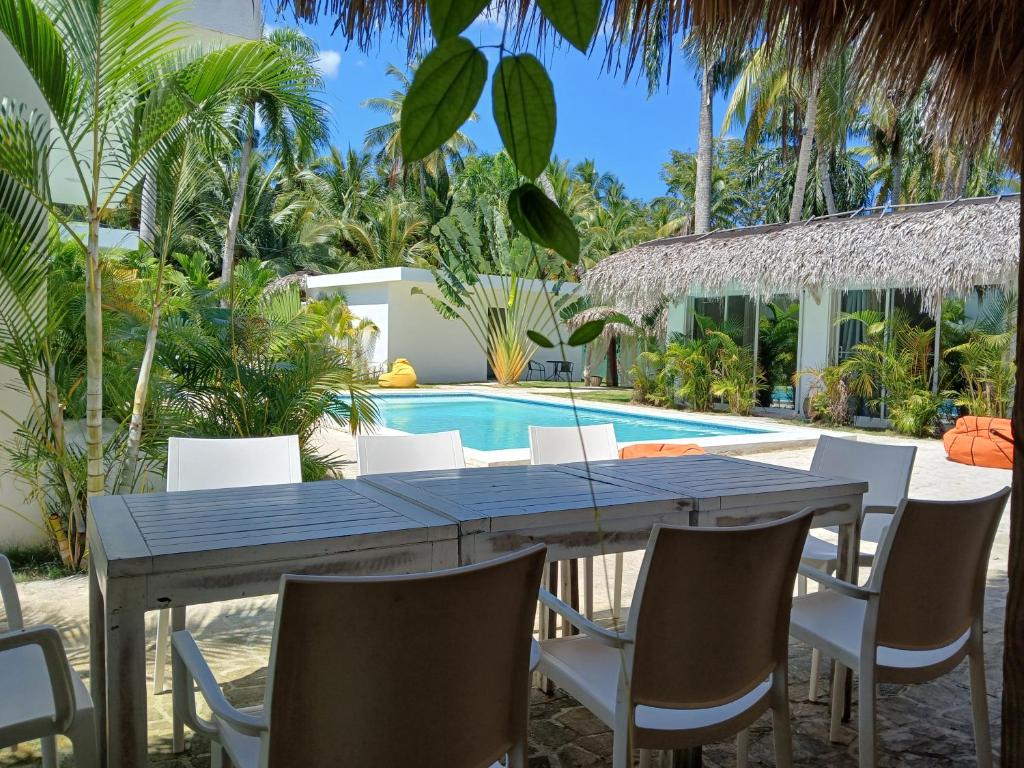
385,140
394,235
294,120
118,93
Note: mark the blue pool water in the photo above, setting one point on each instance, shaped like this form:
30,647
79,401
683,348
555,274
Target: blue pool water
495,423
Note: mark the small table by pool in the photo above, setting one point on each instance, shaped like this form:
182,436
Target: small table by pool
558,368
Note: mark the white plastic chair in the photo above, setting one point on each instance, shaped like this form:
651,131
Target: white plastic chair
564,445
195,464
705,649
389,677
886,469
378,454
920,614
41,696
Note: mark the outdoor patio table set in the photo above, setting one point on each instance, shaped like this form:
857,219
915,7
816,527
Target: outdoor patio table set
163,550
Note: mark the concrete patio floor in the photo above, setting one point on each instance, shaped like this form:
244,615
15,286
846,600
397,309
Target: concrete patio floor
925,725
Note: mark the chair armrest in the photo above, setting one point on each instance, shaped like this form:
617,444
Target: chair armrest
881,509
836,585
9,596
581,622
190,667
57,668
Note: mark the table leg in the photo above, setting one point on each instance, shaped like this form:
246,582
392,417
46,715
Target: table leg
686,758
178,727
98,662
127,705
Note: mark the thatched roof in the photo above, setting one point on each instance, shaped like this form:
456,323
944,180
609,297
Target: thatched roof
286,281
937,248
971,51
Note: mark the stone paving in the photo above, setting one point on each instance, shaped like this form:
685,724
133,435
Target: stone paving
925,725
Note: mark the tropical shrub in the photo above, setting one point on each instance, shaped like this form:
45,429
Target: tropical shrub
829,398
777,345
985,361
735,376
917,414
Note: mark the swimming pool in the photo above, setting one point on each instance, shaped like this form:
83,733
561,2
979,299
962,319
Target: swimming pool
491,423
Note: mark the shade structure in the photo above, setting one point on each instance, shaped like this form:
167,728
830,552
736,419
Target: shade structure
937,249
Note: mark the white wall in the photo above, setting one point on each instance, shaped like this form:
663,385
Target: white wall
442,351
817,331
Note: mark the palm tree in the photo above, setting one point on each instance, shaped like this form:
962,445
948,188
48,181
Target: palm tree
386,139
295,122
392,236
110,147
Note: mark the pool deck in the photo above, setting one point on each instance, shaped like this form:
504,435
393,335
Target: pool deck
782,434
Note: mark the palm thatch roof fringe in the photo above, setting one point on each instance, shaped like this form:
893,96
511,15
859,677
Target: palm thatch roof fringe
935,250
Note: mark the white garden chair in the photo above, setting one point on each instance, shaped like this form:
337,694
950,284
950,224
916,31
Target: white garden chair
886,469
705,649
378,454
41,695
919,615
563,445
195,464
389,677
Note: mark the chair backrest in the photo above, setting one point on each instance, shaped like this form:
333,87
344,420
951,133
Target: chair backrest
932,568
9,596
430,670
710,614
195,464
409,453
561,445
885,468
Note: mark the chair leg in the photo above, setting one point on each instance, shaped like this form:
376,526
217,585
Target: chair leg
588,576
812,686
645,758
838,700
163,644
83,739
617,588
219,757
742,748
801,586
782,733
48,746
866,742
177,725
979,704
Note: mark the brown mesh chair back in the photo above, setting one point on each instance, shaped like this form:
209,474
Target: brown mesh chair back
931,572
429,670
713,617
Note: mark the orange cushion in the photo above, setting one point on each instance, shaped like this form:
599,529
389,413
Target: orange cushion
982,441
649,450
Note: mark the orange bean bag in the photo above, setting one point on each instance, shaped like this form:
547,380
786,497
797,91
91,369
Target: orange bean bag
653,450
983,441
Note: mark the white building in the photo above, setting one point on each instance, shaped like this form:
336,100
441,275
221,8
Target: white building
442,351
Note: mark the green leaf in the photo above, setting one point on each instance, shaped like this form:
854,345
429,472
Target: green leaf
539,339
576,20
524,109
449,17
446,87
586,333
543,222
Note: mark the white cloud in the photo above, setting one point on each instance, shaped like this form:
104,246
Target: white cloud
328,62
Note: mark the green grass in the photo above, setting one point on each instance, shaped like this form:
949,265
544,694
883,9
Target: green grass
622,396
39,562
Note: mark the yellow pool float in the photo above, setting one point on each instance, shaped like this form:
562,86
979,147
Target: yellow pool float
401,375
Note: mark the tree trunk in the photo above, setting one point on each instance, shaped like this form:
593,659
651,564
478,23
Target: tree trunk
231,236
147,213
1012,751
825,175
94,358
702,191
949,175
897,170
613,363
806,143
963,174
127,481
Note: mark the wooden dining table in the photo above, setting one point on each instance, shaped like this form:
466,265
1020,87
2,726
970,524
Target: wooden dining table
170,550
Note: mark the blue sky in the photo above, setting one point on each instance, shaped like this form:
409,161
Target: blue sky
599,115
